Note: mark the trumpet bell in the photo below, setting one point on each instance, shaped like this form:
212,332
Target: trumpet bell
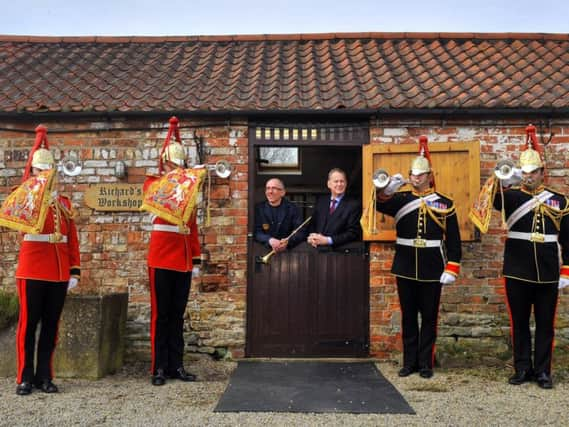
222,169
380,179
70,165
265,259
504,169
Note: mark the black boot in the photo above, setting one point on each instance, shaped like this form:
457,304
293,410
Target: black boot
47,386
158,378
520,377
24,388
182,375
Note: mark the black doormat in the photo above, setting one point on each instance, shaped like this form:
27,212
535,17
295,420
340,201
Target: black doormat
311,387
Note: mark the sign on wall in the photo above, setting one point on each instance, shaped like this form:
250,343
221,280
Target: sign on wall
114,197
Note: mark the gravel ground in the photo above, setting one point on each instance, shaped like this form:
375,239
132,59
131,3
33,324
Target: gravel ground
454,397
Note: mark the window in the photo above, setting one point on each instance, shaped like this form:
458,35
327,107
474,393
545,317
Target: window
284,160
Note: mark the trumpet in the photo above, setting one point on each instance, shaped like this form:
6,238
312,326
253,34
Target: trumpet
222,168
504,169
70,165
266,258
381,179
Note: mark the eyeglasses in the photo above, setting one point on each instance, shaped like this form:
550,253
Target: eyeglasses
273,189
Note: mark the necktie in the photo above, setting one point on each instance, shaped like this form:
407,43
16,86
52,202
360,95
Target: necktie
333,203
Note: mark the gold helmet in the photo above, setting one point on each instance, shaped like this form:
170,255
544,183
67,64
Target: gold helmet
174,153
42,159
422,163
530,159
172,149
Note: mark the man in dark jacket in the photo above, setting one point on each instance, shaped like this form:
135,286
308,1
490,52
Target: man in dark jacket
336,217
276,218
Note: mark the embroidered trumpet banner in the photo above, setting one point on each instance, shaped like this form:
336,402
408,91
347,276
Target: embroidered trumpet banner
481,213
173,197
25,209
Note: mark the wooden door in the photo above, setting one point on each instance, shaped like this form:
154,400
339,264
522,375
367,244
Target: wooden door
309,303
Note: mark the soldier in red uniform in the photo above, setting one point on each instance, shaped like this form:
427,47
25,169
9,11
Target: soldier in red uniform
173,257
48,266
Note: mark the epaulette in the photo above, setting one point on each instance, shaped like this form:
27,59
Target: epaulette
446,196
148,181
65,203
554,191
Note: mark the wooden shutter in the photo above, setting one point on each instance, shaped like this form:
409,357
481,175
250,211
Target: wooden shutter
456,166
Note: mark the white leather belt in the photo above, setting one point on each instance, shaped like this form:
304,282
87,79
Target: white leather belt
418,243
169,228
533,237
49,238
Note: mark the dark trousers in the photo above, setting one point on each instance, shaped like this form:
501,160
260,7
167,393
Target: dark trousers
522,296
40,302
169,292
416,297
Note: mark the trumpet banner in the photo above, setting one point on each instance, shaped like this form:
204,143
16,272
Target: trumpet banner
25,209
481,212
173,197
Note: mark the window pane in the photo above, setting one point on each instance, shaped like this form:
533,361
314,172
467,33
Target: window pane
279,156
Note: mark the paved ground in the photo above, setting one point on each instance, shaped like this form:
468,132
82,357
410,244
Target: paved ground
452,398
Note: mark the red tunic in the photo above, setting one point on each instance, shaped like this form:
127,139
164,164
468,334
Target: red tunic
52,262
172,250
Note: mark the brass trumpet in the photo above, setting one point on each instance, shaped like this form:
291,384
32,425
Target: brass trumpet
266,258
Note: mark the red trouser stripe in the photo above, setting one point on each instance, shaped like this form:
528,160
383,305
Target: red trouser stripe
509,312
56,340
153,317
22,327
433,351
553,340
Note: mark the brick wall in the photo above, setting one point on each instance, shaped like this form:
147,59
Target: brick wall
113,245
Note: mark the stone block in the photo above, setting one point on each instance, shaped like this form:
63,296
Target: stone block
91,338
8,351
91,335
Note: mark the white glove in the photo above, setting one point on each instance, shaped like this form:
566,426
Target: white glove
563,282
73,281
395,183
515,179
196,271
447,278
